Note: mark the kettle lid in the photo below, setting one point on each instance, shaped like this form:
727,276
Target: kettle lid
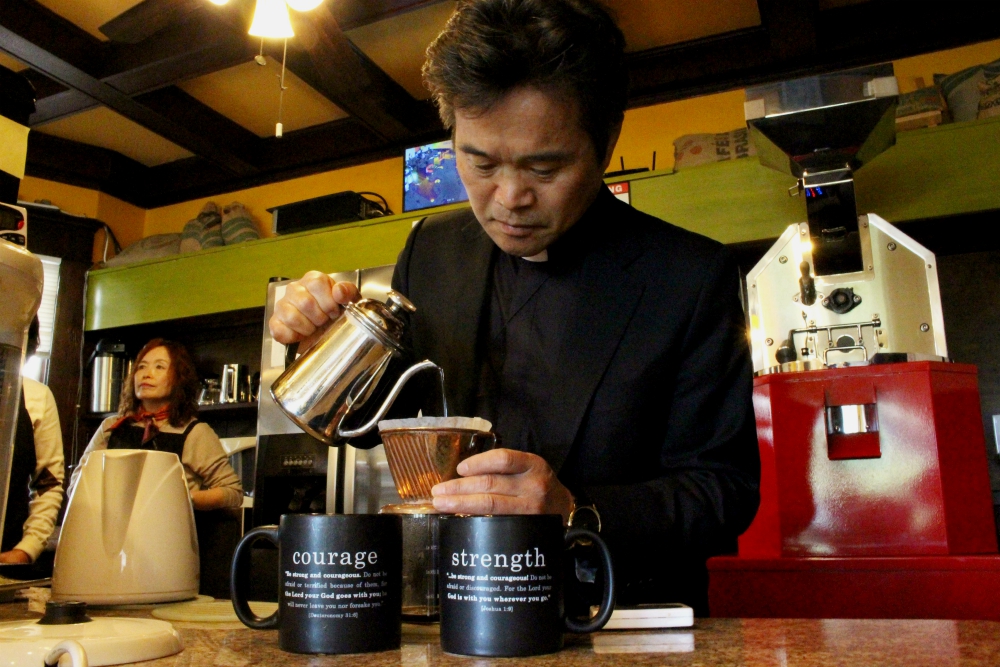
384,320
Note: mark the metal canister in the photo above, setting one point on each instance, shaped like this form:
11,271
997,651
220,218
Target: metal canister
110,367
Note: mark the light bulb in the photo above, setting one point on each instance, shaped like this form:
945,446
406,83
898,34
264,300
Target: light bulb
218,2
304,5
270,19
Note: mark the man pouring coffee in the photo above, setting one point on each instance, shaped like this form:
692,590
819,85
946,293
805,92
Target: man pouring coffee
607,347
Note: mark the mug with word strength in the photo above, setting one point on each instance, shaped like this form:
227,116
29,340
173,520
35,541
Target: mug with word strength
501,584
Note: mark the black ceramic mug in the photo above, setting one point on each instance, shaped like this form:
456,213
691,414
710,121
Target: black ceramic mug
501,584
340,582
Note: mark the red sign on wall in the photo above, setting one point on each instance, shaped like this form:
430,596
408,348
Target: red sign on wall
620,190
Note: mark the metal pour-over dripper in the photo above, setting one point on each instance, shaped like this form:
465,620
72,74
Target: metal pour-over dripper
426,451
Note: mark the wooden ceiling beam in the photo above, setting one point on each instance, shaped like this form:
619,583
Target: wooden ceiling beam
333,145
352,14
850,36
38,24
324,58
86,166
67,74
173,103
790,26
147,18
151,16
137,75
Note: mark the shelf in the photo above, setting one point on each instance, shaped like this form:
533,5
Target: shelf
934,172
227,407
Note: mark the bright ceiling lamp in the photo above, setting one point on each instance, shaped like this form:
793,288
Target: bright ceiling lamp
218,2
304,5
270,19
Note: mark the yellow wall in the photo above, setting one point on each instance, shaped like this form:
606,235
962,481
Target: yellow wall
656,127
943,62
384,177
127,221
646,129
70,198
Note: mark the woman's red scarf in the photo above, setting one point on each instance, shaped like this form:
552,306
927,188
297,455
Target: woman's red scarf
147,418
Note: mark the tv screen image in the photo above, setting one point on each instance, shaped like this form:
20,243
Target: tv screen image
430,177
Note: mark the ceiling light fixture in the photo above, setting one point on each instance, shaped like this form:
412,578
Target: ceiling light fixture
270,19
304,5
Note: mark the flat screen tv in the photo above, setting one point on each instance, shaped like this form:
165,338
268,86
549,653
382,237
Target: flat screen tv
430,177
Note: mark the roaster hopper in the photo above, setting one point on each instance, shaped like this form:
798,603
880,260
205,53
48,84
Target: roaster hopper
838,289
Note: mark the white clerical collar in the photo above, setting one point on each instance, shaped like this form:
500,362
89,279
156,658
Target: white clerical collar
543,256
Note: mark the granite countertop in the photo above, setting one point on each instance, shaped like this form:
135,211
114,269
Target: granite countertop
719,641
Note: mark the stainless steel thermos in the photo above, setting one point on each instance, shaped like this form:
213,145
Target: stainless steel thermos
235,386
110,366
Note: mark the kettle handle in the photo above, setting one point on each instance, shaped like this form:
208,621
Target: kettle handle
239,579
72,648
390,399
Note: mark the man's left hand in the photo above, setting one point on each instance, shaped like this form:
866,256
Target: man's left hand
504,481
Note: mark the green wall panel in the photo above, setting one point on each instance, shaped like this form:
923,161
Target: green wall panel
939,171
727,201
934,172
234,277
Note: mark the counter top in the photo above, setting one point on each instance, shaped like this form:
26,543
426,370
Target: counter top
720,641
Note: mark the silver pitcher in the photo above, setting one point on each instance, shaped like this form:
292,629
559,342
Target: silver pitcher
335,377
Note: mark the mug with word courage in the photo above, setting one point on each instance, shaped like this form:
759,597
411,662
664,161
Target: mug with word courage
501,584
340,582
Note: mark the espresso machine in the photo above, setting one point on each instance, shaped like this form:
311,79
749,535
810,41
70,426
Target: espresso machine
871,442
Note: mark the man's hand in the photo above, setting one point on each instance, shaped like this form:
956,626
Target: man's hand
308,307
504,481
15,557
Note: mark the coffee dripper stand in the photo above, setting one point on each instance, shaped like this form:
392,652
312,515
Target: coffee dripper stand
420,457
420,572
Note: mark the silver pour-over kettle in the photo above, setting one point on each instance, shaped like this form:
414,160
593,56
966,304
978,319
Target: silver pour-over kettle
335,377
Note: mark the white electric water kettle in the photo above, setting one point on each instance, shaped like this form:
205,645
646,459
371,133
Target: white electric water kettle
129,535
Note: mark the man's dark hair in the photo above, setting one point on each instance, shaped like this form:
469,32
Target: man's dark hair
490,47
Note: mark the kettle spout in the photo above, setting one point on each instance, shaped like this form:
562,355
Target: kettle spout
393,394
122,472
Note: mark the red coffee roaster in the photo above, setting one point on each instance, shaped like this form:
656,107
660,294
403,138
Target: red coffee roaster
875,495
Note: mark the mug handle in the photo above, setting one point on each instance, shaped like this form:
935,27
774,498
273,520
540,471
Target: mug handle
608,598
483,442
239,579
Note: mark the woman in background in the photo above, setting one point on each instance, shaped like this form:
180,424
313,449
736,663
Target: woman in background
158,411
